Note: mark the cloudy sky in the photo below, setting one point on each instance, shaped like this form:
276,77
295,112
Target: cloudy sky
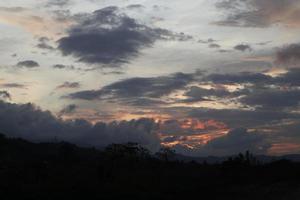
206,77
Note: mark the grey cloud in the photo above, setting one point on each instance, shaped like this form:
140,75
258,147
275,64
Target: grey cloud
273,98
195,94
63,16
291,78
27,121
12,9
135,6
213,45
259,13
68,109
210,40
237,140
242,118
28,64
68,85
4,95
61,66
289,55
43,44
138,87
13,85
263,43
245,77
59,3
109,38
243,47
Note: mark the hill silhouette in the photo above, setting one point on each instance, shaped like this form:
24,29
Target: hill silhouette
61,170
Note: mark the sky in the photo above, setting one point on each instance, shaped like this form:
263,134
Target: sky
205,77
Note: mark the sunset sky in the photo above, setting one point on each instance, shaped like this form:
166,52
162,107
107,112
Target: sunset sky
205,77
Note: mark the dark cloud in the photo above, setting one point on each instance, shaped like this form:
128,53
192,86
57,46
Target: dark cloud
289,55
4,95
259,13
68,85
27,121
59,3
43,44
68,109
243,47
237,140
263,43
135,6
224,51
195,94
114,73
28,64
242,118
144,102
13,85
210,40
214,45
110,38
138,88
244,77
61,66
12,9
272,98
63,16
290,79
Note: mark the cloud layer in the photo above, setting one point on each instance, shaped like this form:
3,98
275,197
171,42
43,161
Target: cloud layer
108,37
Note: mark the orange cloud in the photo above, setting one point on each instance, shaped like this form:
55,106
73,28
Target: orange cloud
192,133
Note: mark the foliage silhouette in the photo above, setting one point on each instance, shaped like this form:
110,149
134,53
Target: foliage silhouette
64,171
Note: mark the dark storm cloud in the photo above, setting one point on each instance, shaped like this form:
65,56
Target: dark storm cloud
4,95
243,47
259,13
138,87
68,85
28,64
27,121
289,55
110,38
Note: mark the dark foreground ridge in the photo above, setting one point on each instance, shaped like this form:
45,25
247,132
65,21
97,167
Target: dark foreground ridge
55,171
